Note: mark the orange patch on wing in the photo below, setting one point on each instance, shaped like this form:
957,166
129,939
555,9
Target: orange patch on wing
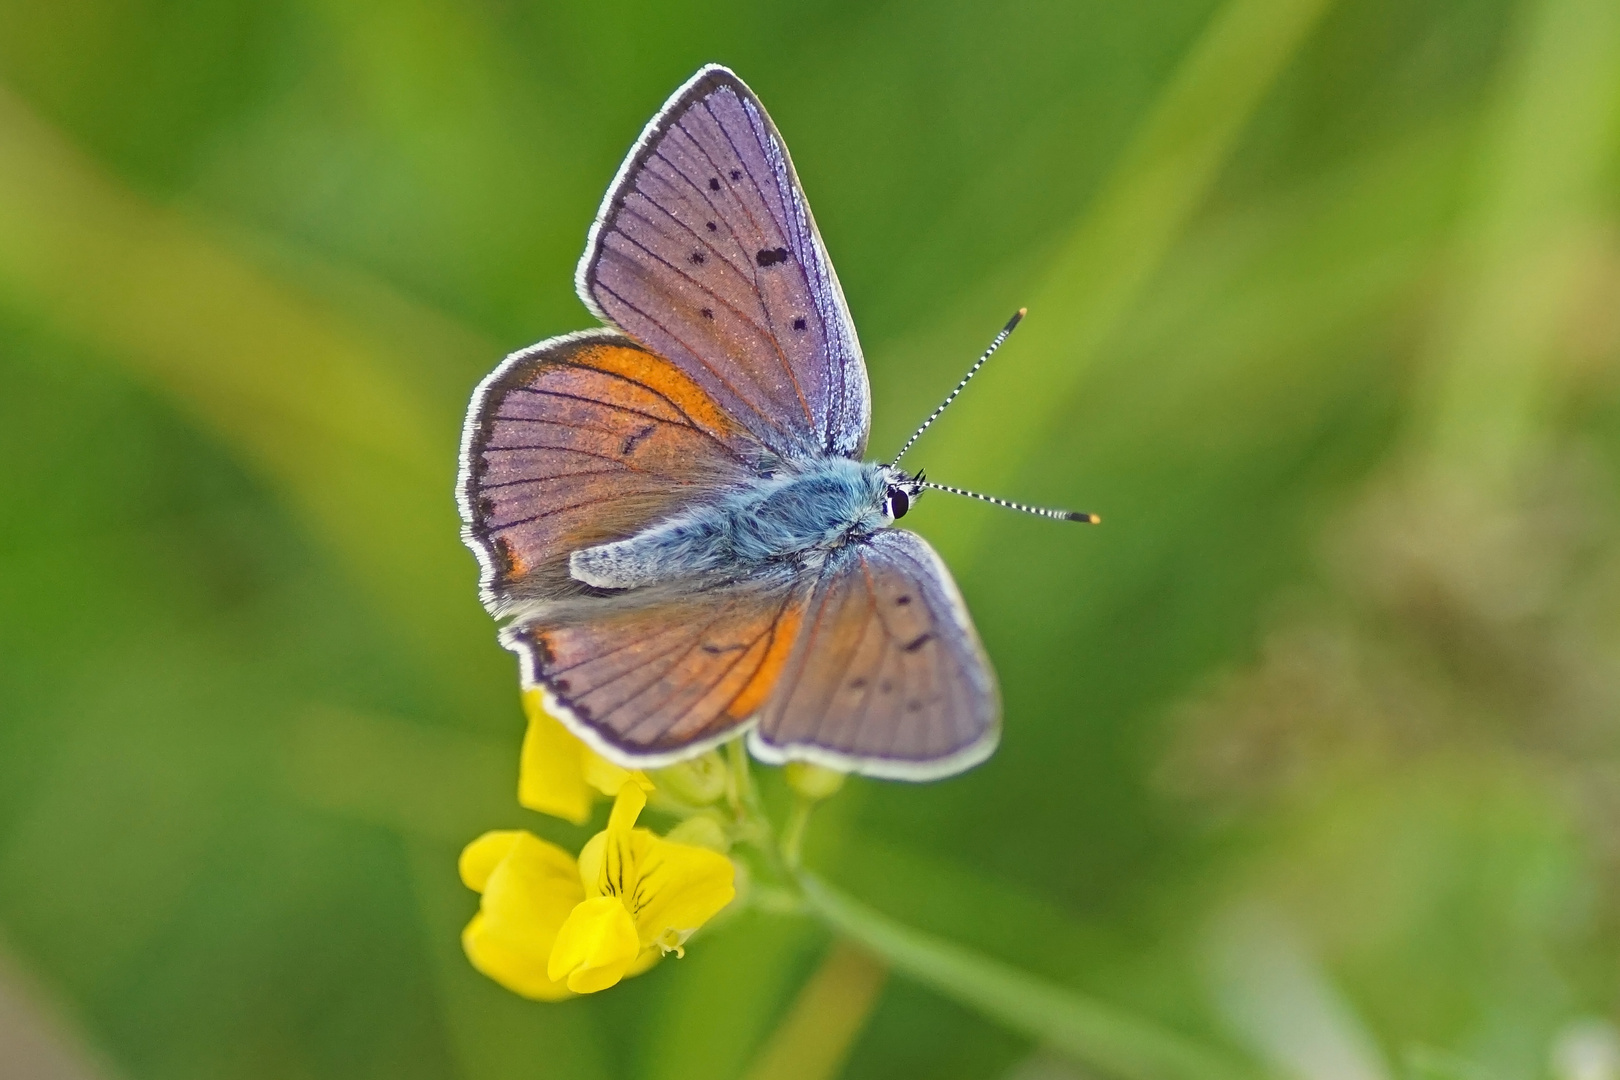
752,696
660,375
515,566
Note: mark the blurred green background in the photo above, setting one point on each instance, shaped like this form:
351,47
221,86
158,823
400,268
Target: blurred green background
1312,750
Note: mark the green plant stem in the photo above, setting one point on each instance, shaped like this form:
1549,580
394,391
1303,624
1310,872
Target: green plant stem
753,826
1090,1031
793,831
741,791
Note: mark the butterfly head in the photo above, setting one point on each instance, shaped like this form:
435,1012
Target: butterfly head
901,491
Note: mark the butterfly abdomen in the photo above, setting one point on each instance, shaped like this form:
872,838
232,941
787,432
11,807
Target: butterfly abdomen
796,516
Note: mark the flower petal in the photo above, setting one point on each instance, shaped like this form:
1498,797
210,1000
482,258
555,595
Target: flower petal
479,858
646,960
529,893
678,888
514,968
551,769
595,947
631,800
607,864
608,778
591,858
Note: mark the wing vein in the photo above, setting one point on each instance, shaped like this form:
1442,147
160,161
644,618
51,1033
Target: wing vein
707,690
707,201
700,238
695,354
671,402
631,644
543,479
793,377
858,715
547,512
571,450
765,335
688,652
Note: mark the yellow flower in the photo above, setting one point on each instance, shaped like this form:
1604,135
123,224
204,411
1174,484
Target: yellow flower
529,888
548,926
558,774
644,896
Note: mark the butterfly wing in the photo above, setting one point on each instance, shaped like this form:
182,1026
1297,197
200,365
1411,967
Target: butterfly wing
887,677
649,684
580,440
705,251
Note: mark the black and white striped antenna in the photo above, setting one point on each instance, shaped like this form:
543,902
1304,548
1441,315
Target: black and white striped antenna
1006,331
1041,511
1057,515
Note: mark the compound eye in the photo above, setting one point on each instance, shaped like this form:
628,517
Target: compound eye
899,503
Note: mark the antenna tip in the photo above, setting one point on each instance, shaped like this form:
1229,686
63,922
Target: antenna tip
1012,322
1089,519
1022,312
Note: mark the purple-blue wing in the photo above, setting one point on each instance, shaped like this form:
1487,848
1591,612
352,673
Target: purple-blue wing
648,685
887,676
579,440
705,252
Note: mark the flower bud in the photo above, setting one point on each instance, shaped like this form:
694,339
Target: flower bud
814,782
701,831
697,782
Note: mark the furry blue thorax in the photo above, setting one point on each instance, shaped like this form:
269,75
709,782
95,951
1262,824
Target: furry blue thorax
799,515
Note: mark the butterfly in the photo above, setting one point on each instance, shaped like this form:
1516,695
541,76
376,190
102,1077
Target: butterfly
672,515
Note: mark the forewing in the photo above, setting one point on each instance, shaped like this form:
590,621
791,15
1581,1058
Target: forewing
705,251
580,440
650,685
888,677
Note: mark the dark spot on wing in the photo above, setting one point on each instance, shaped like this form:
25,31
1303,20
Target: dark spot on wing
715,650
771,256
918,642
512,564
711,226
698,258
856,684
714,183
798,324
560,685
631,441
886,686
707,313
902,601
913,705
736,174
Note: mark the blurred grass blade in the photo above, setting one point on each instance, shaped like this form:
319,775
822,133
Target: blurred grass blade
38,1042
315,407
1093,1033
1123,236
1427,1063
1529,240
815,1037
1274,992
